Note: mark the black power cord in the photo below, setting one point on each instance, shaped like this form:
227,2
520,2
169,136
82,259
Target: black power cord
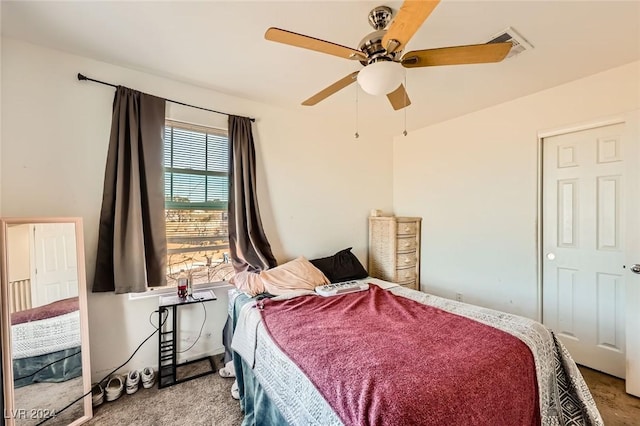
115,369
201,327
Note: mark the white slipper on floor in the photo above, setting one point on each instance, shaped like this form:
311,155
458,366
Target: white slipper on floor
228,370
114,388
235,392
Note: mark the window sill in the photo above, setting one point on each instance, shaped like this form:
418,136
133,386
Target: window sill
161,291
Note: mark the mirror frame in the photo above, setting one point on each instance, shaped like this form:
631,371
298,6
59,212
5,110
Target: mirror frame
7,361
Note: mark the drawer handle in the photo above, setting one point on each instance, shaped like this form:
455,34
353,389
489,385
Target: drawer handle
407,244
407,229
407,260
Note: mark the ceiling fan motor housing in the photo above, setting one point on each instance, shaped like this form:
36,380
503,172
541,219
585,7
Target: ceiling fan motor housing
371,46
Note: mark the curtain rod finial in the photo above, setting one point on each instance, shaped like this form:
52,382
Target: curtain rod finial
81,77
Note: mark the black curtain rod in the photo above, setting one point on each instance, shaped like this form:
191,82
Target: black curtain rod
82,77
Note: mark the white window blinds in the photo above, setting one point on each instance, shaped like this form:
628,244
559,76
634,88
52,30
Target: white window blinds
196,199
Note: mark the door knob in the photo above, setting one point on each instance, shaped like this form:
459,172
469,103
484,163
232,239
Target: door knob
551,256
635,268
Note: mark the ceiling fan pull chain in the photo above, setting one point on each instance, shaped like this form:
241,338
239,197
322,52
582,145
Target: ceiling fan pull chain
356,135
404,133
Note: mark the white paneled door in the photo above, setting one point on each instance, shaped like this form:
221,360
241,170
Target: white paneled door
589,185
54,262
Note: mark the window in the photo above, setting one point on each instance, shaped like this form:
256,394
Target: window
196,165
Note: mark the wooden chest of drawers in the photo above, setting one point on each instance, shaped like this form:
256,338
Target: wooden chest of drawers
394,249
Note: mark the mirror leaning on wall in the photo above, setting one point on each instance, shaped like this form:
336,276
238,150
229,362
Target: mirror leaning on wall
45,346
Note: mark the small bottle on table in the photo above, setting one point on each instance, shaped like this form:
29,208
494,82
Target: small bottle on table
183,282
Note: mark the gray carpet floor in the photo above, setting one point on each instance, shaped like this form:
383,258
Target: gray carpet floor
202,401
207,401
46,398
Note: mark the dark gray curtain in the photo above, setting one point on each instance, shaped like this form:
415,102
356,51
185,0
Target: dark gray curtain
132,247
248,245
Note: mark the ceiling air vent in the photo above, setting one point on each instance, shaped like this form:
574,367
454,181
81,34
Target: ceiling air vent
520,44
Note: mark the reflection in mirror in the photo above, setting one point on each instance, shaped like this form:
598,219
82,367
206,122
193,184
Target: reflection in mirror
44,296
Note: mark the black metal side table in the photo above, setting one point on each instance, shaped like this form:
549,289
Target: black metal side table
168,339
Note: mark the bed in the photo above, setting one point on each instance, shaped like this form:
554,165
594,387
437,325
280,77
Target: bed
46,343
394,356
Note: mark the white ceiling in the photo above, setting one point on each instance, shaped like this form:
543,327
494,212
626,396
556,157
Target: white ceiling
220,45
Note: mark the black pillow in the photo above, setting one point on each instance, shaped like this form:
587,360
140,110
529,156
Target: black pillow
342,266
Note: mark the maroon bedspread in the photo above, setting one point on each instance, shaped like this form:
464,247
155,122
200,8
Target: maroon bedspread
381,359
50,310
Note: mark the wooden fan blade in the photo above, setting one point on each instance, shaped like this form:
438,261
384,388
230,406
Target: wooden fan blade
457,55
306,42
399,98
409,18
325,93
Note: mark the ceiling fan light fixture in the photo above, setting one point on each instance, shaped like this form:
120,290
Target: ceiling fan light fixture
380,78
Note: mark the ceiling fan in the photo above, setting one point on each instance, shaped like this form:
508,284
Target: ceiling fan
381,52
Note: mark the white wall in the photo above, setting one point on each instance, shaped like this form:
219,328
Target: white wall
315,182
473,180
